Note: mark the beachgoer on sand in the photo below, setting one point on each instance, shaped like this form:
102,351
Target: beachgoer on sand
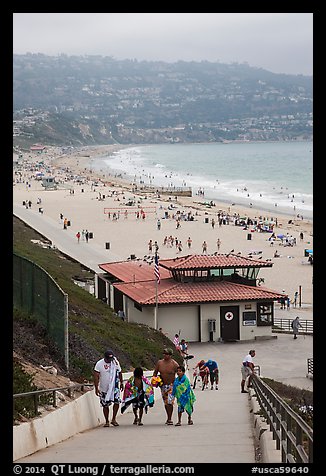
204,247
218,244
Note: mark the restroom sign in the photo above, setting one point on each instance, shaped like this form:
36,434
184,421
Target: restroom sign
229,316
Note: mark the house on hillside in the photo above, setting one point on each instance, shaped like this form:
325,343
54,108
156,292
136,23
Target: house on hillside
205,297
37,148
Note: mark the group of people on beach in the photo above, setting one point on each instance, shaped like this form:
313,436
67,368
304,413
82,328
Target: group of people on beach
139,390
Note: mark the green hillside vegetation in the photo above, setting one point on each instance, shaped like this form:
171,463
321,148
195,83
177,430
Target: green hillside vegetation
93,326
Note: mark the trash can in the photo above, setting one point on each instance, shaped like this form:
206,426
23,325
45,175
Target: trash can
132,256
68,223
107,245
206,220
90,235
249,236
82,190
24,203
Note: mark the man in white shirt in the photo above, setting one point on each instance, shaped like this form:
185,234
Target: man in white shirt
247,370
107,375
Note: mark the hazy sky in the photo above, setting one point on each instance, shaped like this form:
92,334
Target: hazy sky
278,42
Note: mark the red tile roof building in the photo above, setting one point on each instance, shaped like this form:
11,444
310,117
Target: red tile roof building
194,291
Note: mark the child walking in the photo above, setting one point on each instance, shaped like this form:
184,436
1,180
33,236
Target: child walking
184,394
139,393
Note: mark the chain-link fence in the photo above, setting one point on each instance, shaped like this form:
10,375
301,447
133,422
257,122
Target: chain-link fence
35,292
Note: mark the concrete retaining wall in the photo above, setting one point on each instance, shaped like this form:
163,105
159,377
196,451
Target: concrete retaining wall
83,413
264,437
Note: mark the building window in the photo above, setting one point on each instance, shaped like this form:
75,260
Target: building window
265,314
138,306
249,318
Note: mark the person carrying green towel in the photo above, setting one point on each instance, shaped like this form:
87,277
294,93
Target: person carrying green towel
184,394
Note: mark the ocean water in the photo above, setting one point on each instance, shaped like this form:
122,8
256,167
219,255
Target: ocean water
272,176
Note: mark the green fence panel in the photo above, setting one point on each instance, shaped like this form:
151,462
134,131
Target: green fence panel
26,286
35,292
56,312
40,296
16,283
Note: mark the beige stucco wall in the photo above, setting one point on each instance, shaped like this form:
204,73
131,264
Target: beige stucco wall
146,316
181,320
250,332
209,311
172,319
184,320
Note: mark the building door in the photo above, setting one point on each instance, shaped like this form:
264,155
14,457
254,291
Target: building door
118,300
229,319
101,289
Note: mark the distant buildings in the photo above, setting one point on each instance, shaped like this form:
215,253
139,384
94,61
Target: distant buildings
37,148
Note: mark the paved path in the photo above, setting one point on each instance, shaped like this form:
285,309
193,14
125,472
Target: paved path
89,254
222,430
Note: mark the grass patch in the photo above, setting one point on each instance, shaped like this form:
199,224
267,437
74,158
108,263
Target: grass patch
93,327
300,400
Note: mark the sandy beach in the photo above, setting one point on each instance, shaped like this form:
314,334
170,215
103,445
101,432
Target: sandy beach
107,206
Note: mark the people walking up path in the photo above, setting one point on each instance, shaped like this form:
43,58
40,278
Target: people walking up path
222,429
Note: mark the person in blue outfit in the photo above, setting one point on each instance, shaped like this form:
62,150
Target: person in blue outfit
212,366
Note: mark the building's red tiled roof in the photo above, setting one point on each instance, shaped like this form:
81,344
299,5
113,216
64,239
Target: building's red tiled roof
37,147
172,292
131,271
212,262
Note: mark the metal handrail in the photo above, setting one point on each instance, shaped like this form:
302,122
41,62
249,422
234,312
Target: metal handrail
38,393
35,394
284,325
294,437
257,370
310,365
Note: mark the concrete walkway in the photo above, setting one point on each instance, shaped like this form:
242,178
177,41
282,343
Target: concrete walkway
89,254
222,430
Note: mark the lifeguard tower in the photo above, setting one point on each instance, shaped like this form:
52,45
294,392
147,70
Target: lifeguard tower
49,183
